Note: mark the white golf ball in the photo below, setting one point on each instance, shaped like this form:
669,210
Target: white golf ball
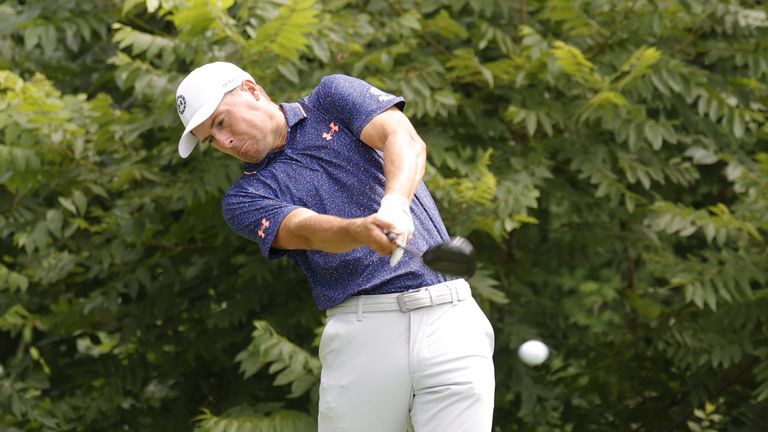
533,352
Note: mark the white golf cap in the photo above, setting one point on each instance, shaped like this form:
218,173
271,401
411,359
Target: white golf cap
200,93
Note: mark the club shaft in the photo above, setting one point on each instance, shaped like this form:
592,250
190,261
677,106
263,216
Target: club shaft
393,237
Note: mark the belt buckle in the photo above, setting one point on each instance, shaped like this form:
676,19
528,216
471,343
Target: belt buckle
401,302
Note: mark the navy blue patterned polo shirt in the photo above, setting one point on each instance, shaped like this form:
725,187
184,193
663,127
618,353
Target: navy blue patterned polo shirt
326,168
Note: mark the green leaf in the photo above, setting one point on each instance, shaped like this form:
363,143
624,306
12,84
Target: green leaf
546,123
575,64
530,123
289,71
716,110
32,36
672,80
198,16
634,135
153,5
701,155
444,25
54,219
653,134
738,125
629,203
68,204
640,63
465,65
130,4
608,98
487,75
483,283
321,49
80,201
660,85
48,38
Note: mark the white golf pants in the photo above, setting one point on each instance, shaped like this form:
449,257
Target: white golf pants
432,366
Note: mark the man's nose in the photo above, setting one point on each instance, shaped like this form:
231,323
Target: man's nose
224,139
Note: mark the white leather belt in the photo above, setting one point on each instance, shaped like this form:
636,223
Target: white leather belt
447,292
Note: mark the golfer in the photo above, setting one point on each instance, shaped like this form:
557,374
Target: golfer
324,180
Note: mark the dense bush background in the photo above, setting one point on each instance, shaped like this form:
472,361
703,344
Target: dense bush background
608,158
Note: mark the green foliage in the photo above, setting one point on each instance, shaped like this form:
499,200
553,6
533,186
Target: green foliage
706,420
607,158
295,366
244,419
285,33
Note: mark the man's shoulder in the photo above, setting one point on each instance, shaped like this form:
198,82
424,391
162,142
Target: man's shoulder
250,182
338,82
337,77
234,192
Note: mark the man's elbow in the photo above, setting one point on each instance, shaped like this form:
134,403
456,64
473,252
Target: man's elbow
420,153
419,146
288,241
295,231
415,145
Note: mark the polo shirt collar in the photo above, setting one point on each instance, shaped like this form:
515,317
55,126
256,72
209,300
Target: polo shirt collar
293,112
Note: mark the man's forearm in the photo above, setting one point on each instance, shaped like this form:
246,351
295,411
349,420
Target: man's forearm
305,229
404,151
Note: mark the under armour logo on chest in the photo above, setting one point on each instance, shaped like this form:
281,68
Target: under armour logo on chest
264,226
334,128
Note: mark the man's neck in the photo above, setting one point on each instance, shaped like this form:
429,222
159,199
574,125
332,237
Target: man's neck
283,136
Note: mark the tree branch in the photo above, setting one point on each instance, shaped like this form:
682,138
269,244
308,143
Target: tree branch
511,245
631,266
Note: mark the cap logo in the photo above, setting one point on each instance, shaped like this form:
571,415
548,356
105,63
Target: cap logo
181,104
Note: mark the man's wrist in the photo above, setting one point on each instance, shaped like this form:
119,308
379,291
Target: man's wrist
397,209
396,200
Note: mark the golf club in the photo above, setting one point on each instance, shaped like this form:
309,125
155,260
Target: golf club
454,257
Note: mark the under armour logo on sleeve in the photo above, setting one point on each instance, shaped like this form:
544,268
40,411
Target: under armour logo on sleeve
264,226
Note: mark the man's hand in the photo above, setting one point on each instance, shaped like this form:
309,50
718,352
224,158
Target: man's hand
371,232
396,210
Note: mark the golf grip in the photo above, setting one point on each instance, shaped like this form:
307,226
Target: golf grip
392,236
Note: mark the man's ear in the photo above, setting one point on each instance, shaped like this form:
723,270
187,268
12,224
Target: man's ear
256,90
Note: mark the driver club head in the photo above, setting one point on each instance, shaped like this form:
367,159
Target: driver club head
455,257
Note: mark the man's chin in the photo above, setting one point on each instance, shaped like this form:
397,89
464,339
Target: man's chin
249,158
242,155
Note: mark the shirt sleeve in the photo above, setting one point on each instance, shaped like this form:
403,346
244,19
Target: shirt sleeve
256,216
352,101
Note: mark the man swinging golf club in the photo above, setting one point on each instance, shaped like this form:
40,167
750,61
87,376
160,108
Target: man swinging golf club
325,179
